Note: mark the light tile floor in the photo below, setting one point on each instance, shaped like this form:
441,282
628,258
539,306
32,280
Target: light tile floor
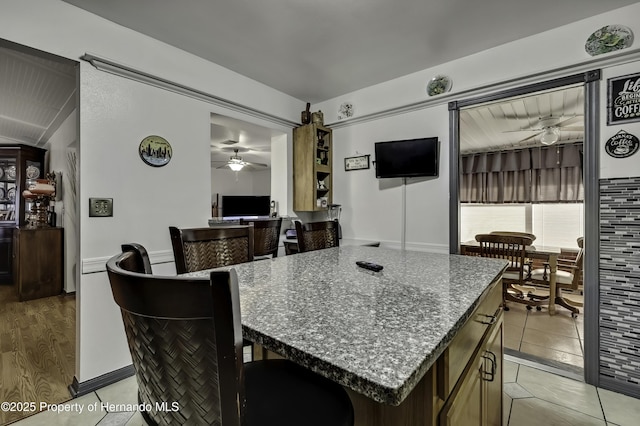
554,340
532,397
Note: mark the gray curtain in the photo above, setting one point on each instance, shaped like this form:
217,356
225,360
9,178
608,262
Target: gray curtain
541,174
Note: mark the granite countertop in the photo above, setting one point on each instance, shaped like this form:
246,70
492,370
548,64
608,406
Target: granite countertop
376,333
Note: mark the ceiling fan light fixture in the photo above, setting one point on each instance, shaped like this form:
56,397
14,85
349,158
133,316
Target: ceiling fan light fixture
549,136
236,167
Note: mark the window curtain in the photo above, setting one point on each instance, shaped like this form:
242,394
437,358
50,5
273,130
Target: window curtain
541,174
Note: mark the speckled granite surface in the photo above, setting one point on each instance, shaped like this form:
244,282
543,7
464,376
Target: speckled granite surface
377,333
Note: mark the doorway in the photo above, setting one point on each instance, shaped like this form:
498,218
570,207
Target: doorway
530,123
38,340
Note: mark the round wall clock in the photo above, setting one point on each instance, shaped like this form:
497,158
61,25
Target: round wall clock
155,151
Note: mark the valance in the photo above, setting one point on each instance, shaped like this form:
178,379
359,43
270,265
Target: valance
538,174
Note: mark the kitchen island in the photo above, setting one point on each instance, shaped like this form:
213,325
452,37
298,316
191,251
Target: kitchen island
412,344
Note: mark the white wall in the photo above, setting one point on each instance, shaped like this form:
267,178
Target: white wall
115,114
60,143
371,208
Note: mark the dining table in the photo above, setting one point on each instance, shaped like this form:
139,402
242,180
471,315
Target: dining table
547,254
376,333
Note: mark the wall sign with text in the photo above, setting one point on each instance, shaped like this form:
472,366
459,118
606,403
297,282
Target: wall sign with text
622,145
356,163
623,99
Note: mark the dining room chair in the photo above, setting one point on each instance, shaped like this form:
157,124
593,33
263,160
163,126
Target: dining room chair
196,249
512,248
266,236
317,235
568,277
184,335
528,265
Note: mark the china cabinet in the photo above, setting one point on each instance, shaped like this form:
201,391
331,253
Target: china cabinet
312,168
19,166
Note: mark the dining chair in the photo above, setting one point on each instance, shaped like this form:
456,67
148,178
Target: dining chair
513,249
266,234
317,235
196,249
568,277
528,265
185,340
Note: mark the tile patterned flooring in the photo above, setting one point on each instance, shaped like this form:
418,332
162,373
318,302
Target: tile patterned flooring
531,397
533,394
554,340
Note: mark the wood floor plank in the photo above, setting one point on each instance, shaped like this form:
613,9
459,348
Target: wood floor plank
37,349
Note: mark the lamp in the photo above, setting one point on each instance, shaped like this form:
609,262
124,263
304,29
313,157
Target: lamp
236,167
549,136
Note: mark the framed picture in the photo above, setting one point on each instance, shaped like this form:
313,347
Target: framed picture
623,99
155,151
356,163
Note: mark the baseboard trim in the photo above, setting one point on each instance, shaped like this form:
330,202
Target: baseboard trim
78,389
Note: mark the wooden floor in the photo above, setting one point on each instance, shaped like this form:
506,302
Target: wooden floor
37,349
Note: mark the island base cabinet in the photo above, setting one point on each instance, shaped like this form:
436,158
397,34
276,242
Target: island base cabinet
477,397
462,388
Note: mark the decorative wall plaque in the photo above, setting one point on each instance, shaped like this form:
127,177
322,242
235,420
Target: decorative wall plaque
623,99
622,145
155,151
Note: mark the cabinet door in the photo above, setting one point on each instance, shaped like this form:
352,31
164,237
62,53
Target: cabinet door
464,406
492,375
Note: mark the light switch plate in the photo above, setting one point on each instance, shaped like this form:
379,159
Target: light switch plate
100,207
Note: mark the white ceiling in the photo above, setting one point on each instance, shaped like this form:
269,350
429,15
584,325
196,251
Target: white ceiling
317,50
518,122
37,93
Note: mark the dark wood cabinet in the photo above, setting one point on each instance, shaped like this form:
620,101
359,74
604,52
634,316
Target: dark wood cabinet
19,165
37,262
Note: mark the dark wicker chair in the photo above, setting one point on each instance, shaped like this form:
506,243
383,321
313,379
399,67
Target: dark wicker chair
513,249
266,236
196,249
317,235
184,335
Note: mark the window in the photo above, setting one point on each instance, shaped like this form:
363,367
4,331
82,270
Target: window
553,224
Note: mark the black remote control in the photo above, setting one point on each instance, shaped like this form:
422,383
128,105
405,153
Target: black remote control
370,266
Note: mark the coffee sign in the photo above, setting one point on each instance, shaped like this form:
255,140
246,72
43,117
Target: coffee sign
622,145
623,99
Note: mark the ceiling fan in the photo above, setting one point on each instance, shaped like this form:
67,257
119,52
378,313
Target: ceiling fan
236,163
549,128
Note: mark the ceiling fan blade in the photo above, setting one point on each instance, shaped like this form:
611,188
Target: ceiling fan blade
528,138
570,120
571,129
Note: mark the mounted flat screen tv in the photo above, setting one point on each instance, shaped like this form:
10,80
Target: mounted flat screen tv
245,205
407,158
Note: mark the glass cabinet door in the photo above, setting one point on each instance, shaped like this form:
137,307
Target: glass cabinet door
8,189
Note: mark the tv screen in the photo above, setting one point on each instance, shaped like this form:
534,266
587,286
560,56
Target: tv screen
245,205
407,158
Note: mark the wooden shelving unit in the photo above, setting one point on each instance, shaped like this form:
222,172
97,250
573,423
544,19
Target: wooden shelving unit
312,168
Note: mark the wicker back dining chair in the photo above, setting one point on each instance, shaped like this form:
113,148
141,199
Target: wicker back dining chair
266,236
317,235
196,249
185,339
512,248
